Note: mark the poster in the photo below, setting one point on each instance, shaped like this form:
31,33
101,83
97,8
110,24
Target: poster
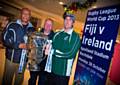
97,46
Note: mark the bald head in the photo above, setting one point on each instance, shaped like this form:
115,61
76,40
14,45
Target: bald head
25,15
25,9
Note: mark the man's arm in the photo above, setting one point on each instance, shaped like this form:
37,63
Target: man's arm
10,38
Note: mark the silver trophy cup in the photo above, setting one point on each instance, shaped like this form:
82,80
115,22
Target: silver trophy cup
36,44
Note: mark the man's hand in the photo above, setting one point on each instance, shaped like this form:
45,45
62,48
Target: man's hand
22,46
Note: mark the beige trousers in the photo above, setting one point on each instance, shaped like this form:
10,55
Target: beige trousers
11,75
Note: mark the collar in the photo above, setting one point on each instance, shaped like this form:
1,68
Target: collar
20,23
69,31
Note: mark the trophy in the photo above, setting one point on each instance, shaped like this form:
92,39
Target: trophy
36,44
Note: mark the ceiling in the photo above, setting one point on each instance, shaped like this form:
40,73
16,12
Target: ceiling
52,8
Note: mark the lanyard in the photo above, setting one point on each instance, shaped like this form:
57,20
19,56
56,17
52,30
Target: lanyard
22,60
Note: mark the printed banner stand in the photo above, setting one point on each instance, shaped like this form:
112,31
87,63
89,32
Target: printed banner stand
99,36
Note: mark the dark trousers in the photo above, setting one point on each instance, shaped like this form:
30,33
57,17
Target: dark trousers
53,79
42,78
41,75
33,77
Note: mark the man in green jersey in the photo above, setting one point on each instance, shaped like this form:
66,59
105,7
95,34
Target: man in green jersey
65,45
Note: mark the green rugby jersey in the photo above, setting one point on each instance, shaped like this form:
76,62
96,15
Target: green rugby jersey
65,48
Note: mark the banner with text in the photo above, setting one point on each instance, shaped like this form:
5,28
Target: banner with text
100,32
